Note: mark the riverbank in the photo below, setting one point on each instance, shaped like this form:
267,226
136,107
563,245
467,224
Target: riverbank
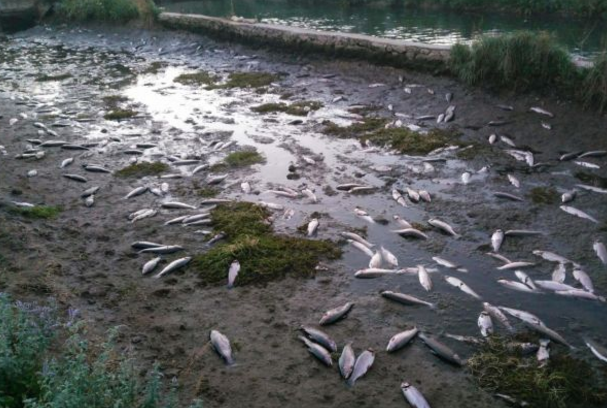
82,255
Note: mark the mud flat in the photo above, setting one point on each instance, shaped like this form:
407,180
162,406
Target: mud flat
111,91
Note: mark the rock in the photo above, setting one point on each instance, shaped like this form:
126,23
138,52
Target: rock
18,15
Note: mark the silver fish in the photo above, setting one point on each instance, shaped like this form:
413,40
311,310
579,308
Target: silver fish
312,227
543,354
398,197
272,206
90,200
333,315
443,226
560,273
466,177
193,218
496,240
363,363
541,111
583,278
371,273
66,162
554,285
173,266
514,181
96,169
461,286
346,361
320,337
388,256
485,324
588,165
492,138
568,196
89,192
233,273
425,196
177,205
200,168
145,244
441,350
246,187
75,177
601,251
580,294
361,247
444,262
578,213
508,141
212,180
593,153
599,351
495,312
517,286
540,328
515,265
508,196
165,249
136,192
177,220
523,315
551,256
413,195
413,396
150,265
376,260
406,299
401,339
410,232
524,278
145,214
522,233
222,346
592,188
424,278
357,238
310,195
465,339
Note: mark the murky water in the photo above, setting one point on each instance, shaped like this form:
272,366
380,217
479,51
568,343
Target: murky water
581,36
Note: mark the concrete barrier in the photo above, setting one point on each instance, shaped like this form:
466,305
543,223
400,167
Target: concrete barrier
398,53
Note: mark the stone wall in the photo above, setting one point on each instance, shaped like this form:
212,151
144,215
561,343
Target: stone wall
383,50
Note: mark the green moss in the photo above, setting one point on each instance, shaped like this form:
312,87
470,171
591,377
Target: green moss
564,382
99,10
119,114
420,227
298,108
474,150
544,195
207,191
364,110
196,78
47,78
142,169
239,159
263,255
38,212
407,141
355,129
591,179
154,68
247,80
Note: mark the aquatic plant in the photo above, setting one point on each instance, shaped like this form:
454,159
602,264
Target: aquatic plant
100,10
142,169
592,179
593,89
239,159
564,382
246,80
301,108
119,114
544,195
37,212
196,78
263,255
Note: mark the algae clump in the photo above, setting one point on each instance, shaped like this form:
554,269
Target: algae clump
197,78
246,80
119,114
38,212
544,195
142,169
300,108
239,159
263,255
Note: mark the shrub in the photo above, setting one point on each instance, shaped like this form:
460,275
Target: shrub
101,10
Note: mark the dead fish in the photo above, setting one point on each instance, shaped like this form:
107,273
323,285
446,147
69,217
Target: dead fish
216,238
312,227
485,324
435,222
403,223
310,195
222,346
441,350
177,205
32,173
398,197
73,147
376,85
363,363
461,286
599,351
388,256
568,196
150,265
320,337
272,206
440,118
554,285
541,111
364,215
411,232
449,114
75,177
376,260
66,162
508,196
588,165
371,273
413,195
173,266
579,293
358,238
309,160
200,168
193,218
521,287
466,177
348,186
569,156
89,201
213,180
505,107
406,299
583,278
560,273
465,339
497,239
163,250
578,213
346,361
448,264
495,312
425,196
137,191
593,153
95,169
401,339
424,278
495,123
601,251
233,273
413,396
592,188
364,189
508,141
522,233
185,162
492,138
334,315
551,256
524,278
514,181
546,126
53,143
540,328
543,354
318,351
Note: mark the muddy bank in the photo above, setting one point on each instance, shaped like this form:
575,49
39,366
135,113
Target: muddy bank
70,80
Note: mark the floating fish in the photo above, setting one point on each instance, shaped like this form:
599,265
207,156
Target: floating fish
485,324
461,286
578,213
497,239
406,299
601,251
435,222
541,111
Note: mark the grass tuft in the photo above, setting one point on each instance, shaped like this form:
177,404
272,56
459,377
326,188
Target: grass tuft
38,212
263,255
247,80
544,195
142,169
196,78
239,159
593,90
99,10
591,179
301,108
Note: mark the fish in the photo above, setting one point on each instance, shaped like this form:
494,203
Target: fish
376,260
401,339
89,201
320,337
440,118
136,192
449,114
521,287
310,195
461,286
410,232
508,196
560,273
23,204
541,111
73,147
150,265
522,233
357,238
66,162
173,266
213,180
75,177
551,256
568,196
492,138
185,162
543,354
334,315
569,156
413,396
165,249
425,196
318,351
465,339
522,315
514,181
346,361
515,265
592,188
398,197
32,173
593,153
554,285
388,256
583,278
187,219
424,278
233,273
364,215
448,264
140,215
95,169
348,186
495,312
542,329
216,238
222,346
441,350
588,165
363,248
405,299
443,226
578,213
312,227
496,240
466,177
145,244
601,251
363,363
508,141
309,160
200,168
546,126
272,206
580,294
485,324
599,351
524,278
371,273
177,205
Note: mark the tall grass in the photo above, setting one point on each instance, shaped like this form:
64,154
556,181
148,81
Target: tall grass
593,91
105,10
46,362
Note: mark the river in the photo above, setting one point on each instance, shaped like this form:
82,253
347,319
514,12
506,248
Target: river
583,37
